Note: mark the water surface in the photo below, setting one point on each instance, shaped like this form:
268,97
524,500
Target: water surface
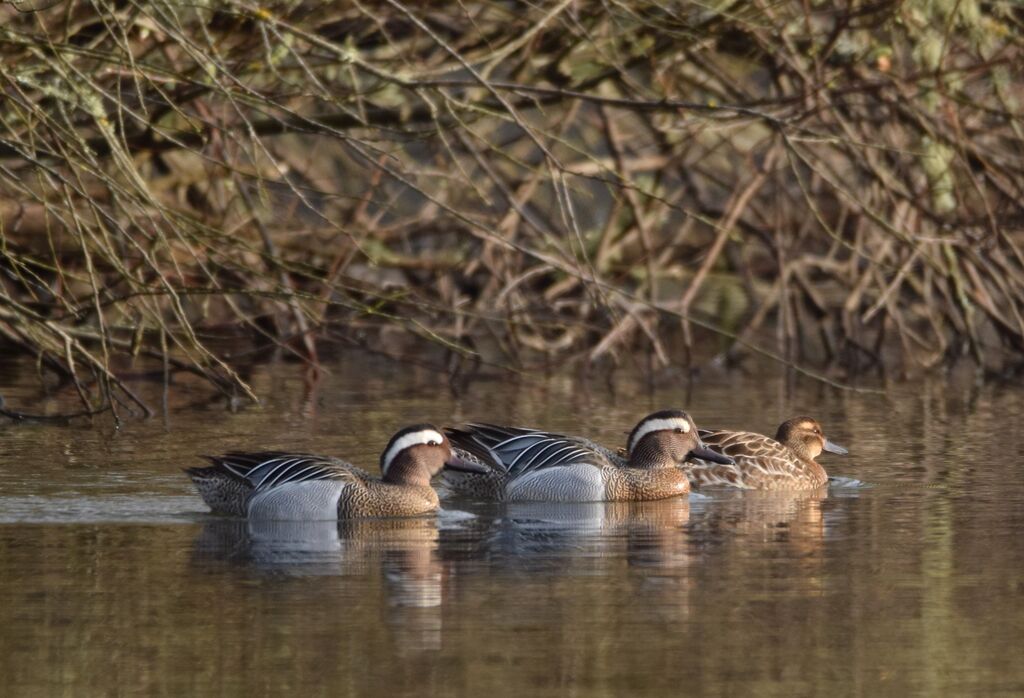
115,580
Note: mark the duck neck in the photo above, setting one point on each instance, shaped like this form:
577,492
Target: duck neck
649,454
802,451
408,471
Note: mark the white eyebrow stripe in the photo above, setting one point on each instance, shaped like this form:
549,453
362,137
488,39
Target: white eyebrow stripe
653,425
415,438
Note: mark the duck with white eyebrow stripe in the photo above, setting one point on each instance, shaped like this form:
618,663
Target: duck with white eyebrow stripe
533,465
272,485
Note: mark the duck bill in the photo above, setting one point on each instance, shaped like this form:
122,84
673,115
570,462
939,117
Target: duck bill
834,448
705,453
457,462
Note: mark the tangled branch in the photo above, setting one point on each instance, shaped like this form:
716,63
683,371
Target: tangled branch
828,184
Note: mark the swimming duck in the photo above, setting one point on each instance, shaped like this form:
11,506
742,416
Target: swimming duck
534,465
786,462
272,485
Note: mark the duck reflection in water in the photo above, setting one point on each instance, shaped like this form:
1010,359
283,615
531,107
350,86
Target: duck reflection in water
541,531
797,521
592,540
403,550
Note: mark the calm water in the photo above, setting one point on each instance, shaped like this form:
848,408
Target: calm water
114,579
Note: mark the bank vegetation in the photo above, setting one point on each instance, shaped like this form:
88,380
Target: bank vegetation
836,186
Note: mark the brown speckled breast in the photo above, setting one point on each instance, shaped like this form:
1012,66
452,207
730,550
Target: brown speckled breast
373,498
638,485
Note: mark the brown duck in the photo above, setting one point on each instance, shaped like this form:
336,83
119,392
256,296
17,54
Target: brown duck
272,485
533,465
786,462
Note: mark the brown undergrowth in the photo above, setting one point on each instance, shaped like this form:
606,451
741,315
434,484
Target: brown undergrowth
834,184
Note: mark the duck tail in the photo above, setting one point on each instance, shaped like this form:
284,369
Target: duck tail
464,438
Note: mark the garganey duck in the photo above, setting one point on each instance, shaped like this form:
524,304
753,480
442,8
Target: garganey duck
272,485
761,463
533,465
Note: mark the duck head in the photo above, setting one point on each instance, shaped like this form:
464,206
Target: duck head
666,439
804,436
417,453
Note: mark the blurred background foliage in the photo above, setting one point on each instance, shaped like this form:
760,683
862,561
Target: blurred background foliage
831,184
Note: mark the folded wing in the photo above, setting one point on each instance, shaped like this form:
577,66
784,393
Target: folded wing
758,457
269,469
515,451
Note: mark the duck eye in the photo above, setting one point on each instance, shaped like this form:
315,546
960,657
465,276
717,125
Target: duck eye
433,442
679,430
